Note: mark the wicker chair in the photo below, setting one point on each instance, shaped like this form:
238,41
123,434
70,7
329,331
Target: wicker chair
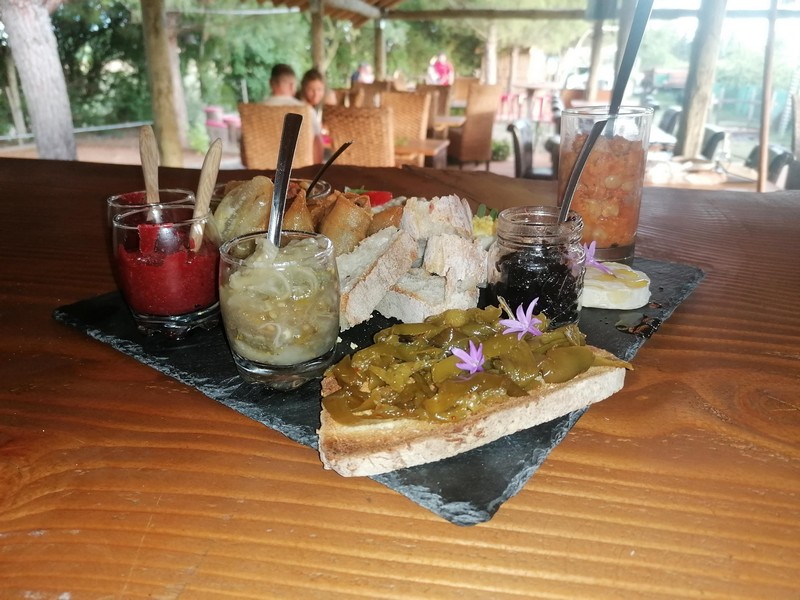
261,135
460,90
373,91
410,118
472,142
371,130
352,96
440,106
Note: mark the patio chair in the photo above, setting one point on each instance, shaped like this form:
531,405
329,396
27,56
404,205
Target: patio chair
778,158
796,124
373,91
716,143
261,135
792,175
460,90
410,118
670,119
371,130
524,138
472,142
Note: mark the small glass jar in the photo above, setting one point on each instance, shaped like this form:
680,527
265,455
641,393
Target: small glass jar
280,306
535,256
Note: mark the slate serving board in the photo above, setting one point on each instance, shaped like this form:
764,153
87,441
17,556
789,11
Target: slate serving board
466,489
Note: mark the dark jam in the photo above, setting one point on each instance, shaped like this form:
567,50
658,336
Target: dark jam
542,272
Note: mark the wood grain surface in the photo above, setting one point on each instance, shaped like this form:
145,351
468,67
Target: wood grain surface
118,482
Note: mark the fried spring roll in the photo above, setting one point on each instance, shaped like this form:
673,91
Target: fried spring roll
297,215
385,218
347,223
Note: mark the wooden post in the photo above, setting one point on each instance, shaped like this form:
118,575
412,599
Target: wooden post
594,65
317,35
700,78
380,51
165,123
766,101
491,54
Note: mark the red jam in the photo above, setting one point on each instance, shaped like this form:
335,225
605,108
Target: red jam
162,277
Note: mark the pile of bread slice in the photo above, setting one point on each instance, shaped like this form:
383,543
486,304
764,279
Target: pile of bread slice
428,263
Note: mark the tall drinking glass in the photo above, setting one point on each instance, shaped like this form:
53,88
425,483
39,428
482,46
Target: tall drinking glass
609,192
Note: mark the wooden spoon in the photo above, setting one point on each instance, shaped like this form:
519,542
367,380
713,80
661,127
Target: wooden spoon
205,189
148,151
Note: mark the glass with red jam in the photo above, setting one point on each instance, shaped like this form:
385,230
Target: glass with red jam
536,256
120,203
166,261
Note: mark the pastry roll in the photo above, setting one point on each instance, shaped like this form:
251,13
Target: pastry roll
297,215
347,222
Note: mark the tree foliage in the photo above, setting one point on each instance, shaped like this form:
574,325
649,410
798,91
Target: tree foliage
102,54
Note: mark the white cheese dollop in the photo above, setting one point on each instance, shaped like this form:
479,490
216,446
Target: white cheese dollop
625,289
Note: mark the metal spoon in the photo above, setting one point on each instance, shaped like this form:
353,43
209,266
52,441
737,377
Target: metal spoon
148,152
327,164
283,172
640,18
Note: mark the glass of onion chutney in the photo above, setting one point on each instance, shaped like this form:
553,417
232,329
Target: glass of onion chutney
280,306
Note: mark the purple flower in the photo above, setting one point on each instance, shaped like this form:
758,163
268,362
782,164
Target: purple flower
524,323
473,360
591,261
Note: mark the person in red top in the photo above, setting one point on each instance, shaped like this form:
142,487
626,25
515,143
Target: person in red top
445,74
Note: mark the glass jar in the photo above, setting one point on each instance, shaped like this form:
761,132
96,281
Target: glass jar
535,256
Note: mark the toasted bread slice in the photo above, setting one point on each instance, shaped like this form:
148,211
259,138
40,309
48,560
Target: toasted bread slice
380,446
366,273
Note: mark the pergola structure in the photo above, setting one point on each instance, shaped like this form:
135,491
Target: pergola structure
360,12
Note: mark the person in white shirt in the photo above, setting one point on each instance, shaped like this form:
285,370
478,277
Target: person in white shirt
312,92
283,83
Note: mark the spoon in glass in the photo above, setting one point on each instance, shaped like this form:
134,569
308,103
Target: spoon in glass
283,172
640,18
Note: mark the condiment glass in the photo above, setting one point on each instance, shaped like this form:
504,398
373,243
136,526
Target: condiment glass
166,261
280,307
538,256
609,192
120,203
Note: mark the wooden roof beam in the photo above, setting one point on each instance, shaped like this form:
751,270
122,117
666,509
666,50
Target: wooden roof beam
665,13
355,6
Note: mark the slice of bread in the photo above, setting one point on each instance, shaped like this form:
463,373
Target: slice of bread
461,260
379,446
419,294
367,273
443,214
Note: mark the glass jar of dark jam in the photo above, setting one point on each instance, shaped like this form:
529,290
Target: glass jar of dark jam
536,256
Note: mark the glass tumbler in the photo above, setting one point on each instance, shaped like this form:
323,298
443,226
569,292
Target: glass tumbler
167,262
609,192
280,306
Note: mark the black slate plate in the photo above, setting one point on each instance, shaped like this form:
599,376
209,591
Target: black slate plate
466,489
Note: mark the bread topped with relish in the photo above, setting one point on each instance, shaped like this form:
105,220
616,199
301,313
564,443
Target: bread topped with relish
461,379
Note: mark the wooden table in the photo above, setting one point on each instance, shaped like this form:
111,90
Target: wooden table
433,149
119,482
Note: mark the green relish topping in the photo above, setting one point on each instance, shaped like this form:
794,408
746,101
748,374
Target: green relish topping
411,372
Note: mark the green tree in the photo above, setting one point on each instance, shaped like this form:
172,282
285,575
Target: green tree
102,55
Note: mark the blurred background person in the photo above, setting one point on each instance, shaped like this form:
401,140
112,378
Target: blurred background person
283,84
443,71
313,92
363,74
